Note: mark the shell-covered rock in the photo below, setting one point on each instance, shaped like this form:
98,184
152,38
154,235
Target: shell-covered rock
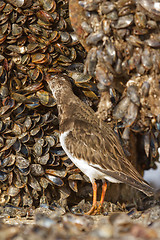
122,41
121,37
35,38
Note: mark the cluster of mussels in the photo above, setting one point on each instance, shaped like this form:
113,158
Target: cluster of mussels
35,38
122,38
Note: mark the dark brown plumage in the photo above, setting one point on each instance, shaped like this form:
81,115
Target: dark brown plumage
90,143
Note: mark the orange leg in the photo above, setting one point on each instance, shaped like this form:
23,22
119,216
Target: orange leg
104,188
94,204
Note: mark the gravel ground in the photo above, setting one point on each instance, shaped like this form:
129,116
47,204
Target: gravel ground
116,222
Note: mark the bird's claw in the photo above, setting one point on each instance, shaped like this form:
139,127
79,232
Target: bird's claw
95,210
92,211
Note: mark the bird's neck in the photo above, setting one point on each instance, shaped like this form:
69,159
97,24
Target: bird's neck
65,103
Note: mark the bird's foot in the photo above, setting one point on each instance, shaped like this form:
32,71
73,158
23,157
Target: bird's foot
92,211
95,210
99,209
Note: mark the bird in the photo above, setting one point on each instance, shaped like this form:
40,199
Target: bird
90,143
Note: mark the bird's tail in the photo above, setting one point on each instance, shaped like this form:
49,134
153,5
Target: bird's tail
138,182
143,187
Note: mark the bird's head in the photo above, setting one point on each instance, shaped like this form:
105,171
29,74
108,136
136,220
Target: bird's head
58,84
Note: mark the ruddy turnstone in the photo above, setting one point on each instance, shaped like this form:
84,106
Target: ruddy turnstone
90,143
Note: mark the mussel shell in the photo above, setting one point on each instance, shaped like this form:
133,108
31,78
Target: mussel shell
44,202
124,21
33,183
17,145
3,91
35,194
146,142
46,98
36,74
2,126
132,93
154,41
44,182
3,75
3,176
19,180
20,3
37,132
52,140
131,115
59,173
36,170
145,89
5,111
13,191
152,8
158,122
67,162
17,130
18,109
27,200
34,102
24,171
16,200
38,147
64,192
9,143
55,180
28,122
22,162
1,142
12,159
121,108
2,5
126,134
24,150
4,198
24,137
8,161
49,5
53,160
153,146
58,151
73,185
76,177
43,160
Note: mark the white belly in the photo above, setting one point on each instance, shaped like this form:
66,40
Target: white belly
87,169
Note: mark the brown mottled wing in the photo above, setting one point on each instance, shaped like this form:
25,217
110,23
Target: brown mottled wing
99,145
